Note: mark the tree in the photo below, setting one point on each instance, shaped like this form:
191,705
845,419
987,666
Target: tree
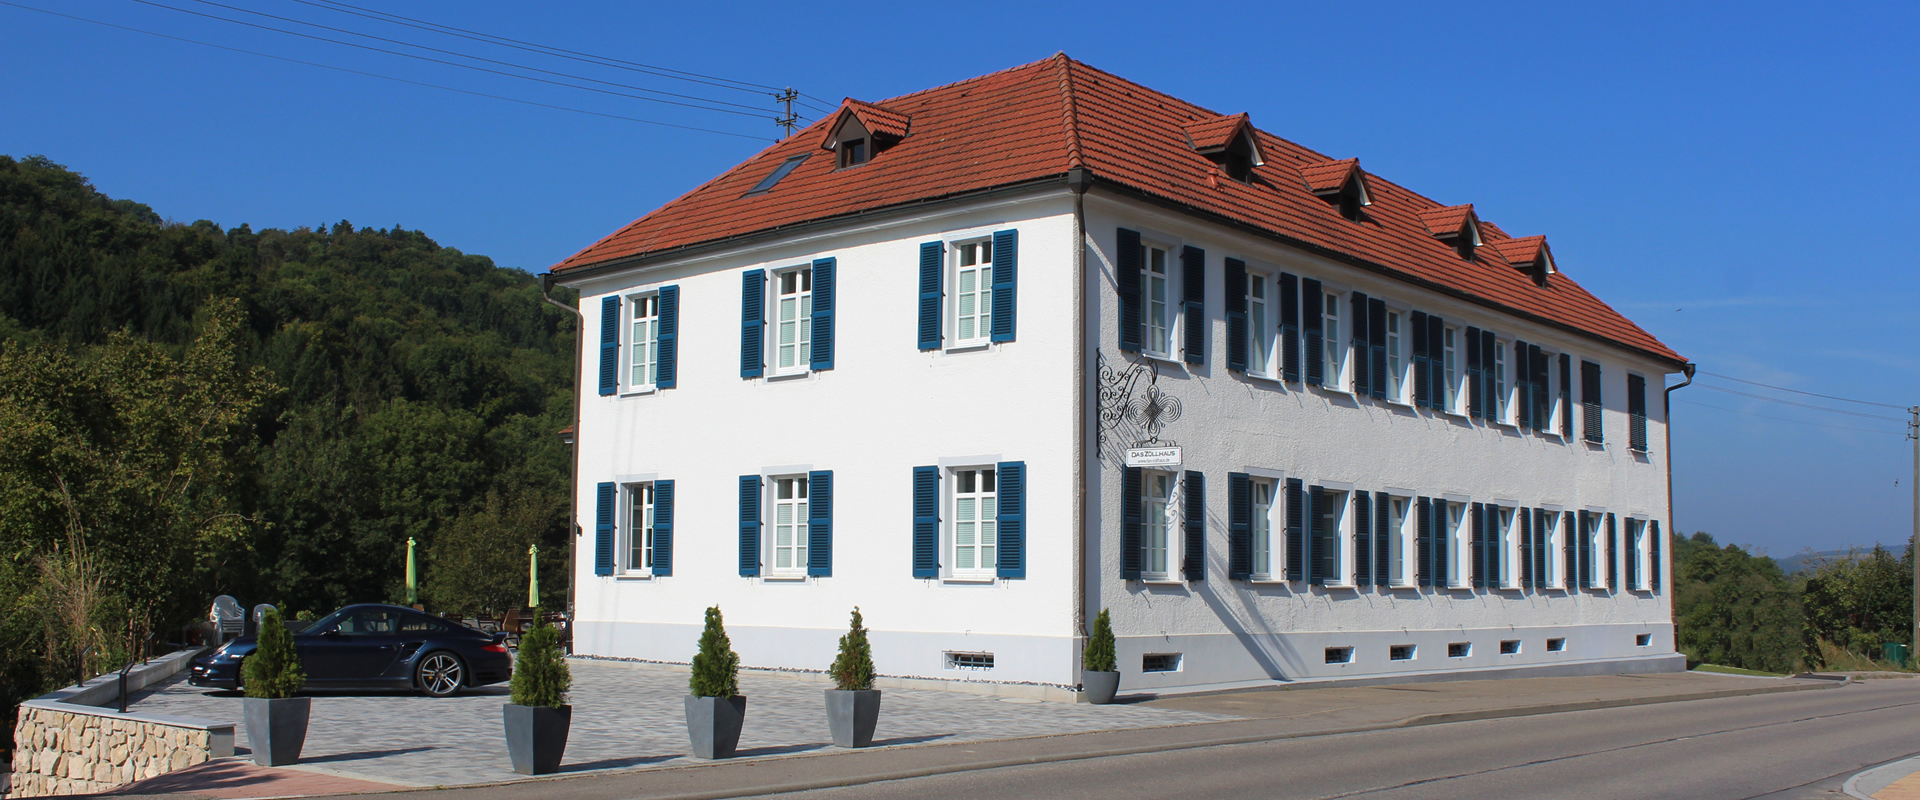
1099,655
716,668
853,668
540,673
1733,608
1860,601
273,671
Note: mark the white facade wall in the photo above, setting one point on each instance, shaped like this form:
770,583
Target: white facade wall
883,409
1233,631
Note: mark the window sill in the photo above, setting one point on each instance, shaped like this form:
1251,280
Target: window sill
968,579
1260,377
1268,580
1332,389
1455,414
637,392
634,576
784,578
968,347
1400,403
1353,586
788,376
1163,581
1163,358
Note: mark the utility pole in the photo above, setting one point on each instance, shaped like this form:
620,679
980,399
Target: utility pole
1913,432
787,119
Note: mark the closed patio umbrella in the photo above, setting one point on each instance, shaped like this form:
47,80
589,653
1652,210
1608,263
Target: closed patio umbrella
533,576
413,580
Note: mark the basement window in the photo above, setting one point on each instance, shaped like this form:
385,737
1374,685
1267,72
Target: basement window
1339,655
766,184
973,661
1643,640
1556,645
1400,652
1160,662
853,153
1510,647
1459,649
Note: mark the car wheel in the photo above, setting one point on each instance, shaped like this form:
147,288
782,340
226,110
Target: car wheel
440,674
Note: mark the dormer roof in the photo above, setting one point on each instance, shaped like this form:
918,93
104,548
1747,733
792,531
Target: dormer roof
1213,136
1526,252
1062,123
1332,177
881,123
1452,222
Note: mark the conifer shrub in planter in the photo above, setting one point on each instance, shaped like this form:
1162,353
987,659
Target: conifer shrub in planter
276,720
715,709
853,705
538,717
1099,672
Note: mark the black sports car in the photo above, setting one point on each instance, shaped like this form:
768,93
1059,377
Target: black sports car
377,646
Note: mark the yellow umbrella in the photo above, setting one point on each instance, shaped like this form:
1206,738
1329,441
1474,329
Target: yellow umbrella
533,576
413,581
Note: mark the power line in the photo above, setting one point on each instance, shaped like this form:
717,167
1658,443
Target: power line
377,75
442,61
488,38
466,55
1801,405
1797,391
1786,419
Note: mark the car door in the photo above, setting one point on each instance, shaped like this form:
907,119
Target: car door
356,650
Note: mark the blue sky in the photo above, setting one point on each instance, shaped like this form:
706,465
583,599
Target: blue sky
1735,177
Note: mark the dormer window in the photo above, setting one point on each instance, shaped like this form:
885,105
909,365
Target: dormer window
1340,183
1455,225
1228,142
853,153
1528,254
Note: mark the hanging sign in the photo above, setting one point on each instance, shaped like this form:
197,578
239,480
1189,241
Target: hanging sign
1153,456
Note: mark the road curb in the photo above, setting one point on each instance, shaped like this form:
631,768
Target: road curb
1000,763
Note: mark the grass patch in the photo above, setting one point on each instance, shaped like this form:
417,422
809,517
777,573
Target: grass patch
1839,659
1734,671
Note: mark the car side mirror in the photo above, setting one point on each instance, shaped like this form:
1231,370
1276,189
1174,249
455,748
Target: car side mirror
331,633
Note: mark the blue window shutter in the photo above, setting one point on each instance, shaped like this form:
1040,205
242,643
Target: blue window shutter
1193,293
668,371
1653,570
1522,386
1637,413
1194,503
1362,347
1010,478
1587,570
1130,555
1442,544
1526,548
1239,526
663,528
1321,557
1296,530
1422,377
1613,554
1572,549
1566,396
1590,402
1631,558
1542,404
1479,383
1289,327
1423,538
1478,545
819,516
1313,305
1237,335
1006,284
603,529
1362,539
932,275
753,334
749,525
1543,547
926,522
609,344
1377,339
1487,347
823,269
1437,342
1383,539
1127,285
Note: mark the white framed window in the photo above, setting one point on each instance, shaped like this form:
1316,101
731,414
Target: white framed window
1157,292
1554,402
643,350
1502,406
639,549
1506,536
1335,526
1638,556
1261,329
1266,504
975,535
1396,357
1596,544
793,321
1400,541
1459,543
1334,360
790,525
1157,523
1556,538
1450,394
973,292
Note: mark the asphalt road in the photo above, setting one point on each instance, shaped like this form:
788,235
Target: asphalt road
1796,745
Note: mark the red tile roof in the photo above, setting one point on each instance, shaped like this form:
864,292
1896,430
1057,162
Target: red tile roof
1328,177
1215,134
1522,251
878,121
1037,121
1448,221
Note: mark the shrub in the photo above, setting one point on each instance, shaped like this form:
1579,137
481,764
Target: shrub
540,674
273,671
853,668
716,668
1099,656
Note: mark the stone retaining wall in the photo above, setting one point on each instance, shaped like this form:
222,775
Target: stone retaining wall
74,752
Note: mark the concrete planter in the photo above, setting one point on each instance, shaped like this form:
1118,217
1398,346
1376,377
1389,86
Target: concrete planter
852,716
713,723
1099,686
276,728
536,737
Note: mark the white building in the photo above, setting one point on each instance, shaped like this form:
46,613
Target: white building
898,360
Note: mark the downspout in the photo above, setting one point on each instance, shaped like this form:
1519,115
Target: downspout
573,463
1078,181
1667,429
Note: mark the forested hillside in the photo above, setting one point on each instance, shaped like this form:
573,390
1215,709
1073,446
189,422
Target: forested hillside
192,410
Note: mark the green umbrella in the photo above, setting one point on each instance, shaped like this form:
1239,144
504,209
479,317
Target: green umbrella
533,576
413,581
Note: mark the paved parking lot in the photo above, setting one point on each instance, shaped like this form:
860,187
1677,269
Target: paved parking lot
629,716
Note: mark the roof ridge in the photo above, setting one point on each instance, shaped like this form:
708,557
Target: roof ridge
973,79
1071,109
